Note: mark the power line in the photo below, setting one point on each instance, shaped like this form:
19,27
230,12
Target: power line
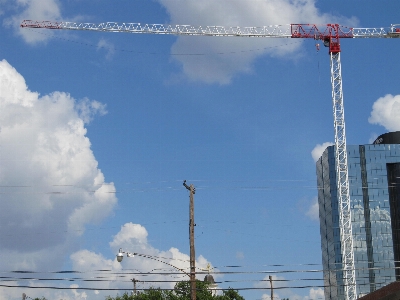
137,272
162,53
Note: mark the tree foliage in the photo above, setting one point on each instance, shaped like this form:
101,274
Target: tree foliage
181,291
151,294
231,294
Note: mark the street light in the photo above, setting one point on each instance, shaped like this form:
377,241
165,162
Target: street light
121,253
120,256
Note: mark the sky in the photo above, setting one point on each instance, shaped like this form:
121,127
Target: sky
98,130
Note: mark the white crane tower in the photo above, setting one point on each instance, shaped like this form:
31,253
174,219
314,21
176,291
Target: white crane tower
330,35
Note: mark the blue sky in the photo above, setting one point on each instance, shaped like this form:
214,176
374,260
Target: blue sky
99,130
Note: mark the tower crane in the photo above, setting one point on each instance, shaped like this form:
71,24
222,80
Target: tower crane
330,35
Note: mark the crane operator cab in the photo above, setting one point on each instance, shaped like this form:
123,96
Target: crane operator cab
394,30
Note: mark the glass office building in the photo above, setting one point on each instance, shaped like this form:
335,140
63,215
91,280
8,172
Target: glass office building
374,181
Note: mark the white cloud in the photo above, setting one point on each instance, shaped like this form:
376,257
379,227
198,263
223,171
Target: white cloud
316,294
313,210
386,112
283,290
319,149
87,109
51,185
133,238
78,295
107,46
224,57
38,10
220,68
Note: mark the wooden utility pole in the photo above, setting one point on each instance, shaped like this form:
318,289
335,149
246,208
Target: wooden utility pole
191,237
272,289
134,285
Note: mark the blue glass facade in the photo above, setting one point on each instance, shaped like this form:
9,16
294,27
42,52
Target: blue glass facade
374,171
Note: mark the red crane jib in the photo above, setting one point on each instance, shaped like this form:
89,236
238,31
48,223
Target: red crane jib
329,34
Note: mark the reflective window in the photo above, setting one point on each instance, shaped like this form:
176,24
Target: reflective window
374,201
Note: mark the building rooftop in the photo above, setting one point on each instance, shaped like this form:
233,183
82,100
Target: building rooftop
388,138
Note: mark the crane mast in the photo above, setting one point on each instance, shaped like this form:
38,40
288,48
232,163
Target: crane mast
330,34
342,180
331,38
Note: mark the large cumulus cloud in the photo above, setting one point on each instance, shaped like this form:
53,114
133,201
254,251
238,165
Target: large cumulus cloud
220,68
50,188
50,183
221,57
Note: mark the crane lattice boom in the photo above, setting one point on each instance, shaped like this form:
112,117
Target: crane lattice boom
282,31
330,34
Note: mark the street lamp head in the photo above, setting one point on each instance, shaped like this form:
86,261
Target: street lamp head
120,255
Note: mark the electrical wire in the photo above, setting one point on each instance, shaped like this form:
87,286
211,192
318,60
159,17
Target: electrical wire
161,53
272,186
174,272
